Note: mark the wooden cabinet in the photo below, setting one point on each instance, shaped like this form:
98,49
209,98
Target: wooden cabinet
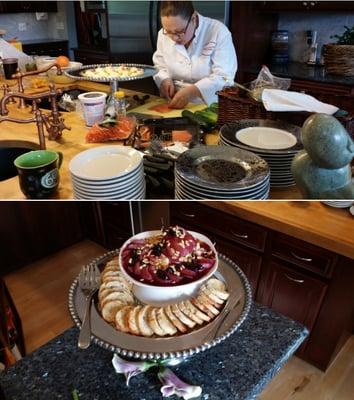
309,284
52,49
88,57
239,240
251,31
106,223
8,7
293,293
307,6
31,230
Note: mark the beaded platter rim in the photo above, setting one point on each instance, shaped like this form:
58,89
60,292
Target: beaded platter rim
173,355
74,73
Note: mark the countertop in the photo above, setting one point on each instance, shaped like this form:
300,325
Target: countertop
238,368
311,221
302,71
71,143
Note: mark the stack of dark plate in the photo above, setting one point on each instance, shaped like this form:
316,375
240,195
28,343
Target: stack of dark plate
277,142
219,172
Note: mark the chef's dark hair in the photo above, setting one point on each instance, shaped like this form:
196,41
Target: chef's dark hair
183,9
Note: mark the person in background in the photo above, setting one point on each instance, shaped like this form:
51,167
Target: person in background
195,55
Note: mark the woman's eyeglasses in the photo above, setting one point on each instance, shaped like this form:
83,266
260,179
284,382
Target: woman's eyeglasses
178,34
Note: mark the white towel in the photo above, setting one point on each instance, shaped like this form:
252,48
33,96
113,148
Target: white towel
282,100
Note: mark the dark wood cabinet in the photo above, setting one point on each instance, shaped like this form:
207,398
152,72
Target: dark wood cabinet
230,235
292,293
88,57
28,6
30,231
309,284
307,6
251,30
52,48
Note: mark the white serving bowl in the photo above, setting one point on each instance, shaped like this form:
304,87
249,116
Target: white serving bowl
165,295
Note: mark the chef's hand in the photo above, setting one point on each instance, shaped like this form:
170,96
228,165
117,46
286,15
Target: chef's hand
184,96
167,89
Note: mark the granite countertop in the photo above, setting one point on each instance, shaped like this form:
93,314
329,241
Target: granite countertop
238,368
302,71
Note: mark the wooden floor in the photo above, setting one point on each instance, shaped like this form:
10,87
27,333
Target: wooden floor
40,292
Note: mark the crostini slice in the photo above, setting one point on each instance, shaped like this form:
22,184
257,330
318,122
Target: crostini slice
143,324
176,322
121,321
182,317
164,322
203,298
132,319
152,321
216,300
196,311
110,309
124,296
186,311
218,288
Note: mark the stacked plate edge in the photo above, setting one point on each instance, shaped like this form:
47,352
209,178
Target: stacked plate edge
275,141
108,173
216,172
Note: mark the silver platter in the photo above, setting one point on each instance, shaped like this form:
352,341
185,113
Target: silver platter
75,73
175,347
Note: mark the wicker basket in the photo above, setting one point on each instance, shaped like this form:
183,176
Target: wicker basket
339,59
234,106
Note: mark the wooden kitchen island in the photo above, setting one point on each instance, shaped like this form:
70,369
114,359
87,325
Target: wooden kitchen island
73,142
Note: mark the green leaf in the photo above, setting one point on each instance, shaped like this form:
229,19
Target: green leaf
75,395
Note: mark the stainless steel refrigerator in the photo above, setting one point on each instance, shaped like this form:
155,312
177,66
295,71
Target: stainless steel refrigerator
134,25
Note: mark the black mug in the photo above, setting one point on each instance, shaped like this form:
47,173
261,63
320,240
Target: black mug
10,67
39,173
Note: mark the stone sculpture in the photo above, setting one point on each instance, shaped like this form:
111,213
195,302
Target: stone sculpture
323,169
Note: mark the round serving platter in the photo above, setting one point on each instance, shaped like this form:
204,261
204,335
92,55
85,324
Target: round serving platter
76,73
172,347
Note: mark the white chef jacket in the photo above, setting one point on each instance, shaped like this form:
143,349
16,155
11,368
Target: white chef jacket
208,63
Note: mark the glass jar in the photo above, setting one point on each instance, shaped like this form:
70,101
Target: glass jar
119,104
280,47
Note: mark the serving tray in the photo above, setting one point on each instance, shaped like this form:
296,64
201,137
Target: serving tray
75,73
173,347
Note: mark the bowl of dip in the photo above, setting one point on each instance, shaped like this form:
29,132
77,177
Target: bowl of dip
168,265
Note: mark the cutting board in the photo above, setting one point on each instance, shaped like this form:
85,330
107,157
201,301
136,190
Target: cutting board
144,109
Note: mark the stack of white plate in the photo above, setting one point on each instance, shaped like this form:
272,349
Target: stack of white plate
108,172
339,203
276,142
218,172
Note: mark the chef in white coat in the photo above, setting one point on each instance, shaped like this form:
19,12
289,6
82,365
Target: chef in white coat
195,55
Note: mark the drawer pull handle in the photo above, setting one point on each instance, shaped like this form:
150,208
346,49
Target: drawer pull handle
188,215
301,258
294,280
239,235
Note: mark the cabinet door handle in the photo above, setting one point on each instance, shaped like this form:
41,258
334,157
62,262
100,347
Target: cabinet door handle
294,280
300,258
188,215
239,235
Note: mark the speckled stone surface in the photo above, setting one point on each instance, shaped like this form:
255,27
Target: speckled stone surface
236,369
302,71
